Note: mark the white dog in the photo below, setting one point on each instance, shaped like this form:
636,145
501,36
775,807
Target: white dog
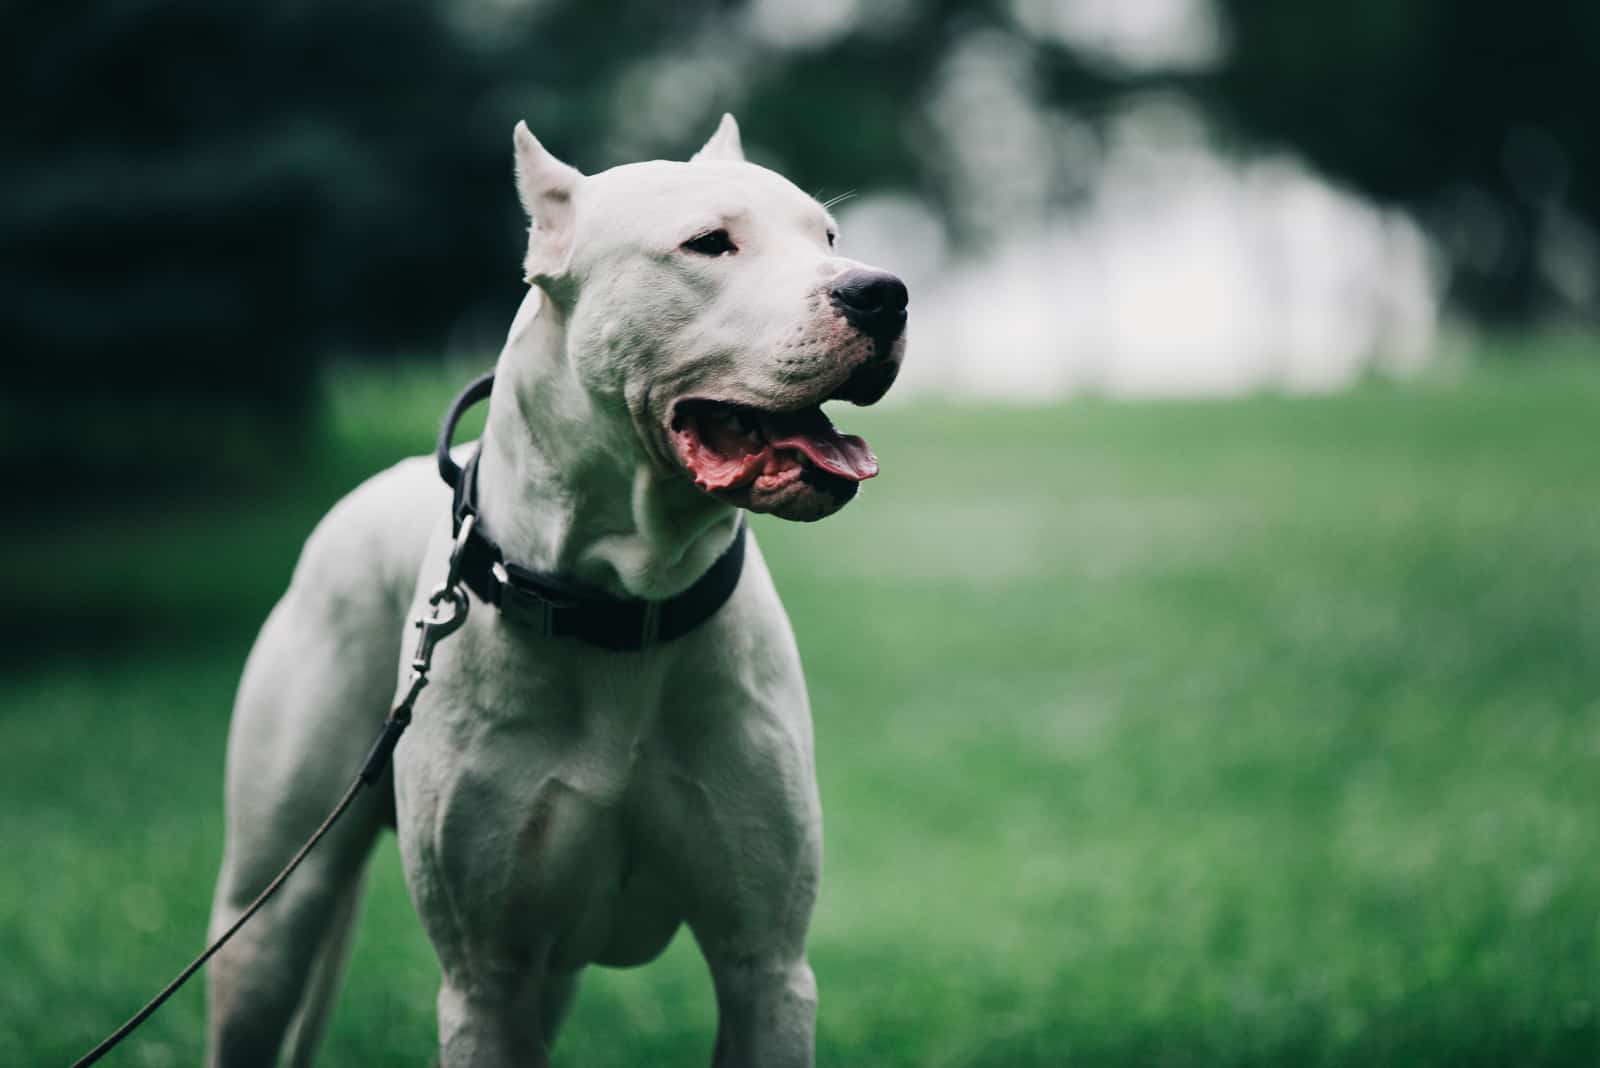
573,791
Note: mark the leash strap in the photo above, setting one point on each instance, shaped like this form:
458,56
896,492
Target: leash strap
557,607
112,1040
447,610
560,608
477,390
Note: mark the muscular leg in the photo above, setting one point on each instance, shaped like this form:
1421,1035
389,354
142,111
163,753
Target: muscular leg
264,979
500,1004
305,1031
766,1012
736,817
309,703
754,866
314,692
506,849
503,1019
494,1026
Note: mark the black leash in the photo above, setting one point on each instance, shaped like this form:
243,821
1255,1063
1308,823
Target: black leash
476,390
171,988
557,607
433,627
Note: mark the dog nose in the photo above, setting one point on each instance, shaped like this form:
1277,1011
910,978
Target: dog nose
873,301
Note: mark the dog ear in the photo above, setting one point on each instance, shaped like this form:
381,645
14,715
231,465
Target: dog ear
545,185
724,144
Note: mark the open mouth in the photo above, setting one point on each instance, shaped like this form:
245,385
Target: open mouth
770,461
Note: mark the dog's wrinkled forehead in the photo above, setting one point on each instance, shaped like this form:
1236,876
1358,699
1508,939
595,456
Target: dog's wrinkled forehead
654,208
658,205
703,305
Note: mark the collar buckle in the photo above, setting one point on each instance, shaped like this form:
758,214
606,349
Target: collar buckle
524,605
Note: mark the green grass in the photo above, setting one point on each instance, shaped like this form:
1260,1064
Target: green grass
1248,733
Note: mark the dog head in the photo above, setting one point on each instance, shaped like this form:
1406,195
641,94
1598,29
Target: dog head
706,302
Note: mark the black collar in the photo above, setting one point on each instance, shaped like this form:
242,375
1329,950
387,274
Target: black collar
556,606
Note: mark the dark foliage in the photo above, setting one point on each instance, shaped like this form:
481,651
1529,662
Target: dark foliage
203,201
1478,115
206,198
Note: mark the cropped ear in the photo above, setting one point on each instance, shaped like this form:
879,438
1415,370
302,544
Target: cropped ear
724,144
546,186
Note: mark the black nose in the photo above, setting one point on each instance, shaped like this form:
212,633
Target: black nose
873,301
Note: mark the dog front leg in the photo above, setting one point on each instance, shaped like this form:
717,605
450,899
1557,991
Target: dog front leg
491,1022
502,856
766,1012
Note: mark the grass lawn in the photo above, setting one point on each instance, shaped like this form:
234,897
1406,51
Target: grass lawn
1243,733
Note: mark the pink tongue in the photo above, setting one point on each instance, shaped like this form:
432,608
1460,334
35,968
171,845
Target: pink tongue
811,433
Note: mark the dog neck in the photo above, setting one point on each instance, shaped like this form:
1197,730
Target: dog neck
566,486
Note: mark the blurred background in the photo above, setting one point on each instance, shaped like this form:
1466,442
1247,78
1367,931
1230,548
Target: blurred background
1213,676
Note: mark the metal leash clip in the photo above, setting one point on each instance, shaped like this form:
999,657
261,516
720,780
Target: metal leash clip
448,606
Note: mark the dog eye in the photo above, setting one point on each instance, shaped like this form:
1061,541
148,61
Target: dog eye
711,243
833,238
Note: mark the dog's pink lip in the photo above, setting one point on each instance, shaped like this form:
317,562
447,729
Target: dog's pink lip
724,445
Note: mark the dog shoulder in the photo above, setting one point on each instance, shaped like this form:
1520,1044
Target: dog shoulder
371,542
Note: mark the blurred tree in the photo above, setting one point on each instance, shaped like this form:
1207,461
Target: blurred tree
203,201
1477,115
